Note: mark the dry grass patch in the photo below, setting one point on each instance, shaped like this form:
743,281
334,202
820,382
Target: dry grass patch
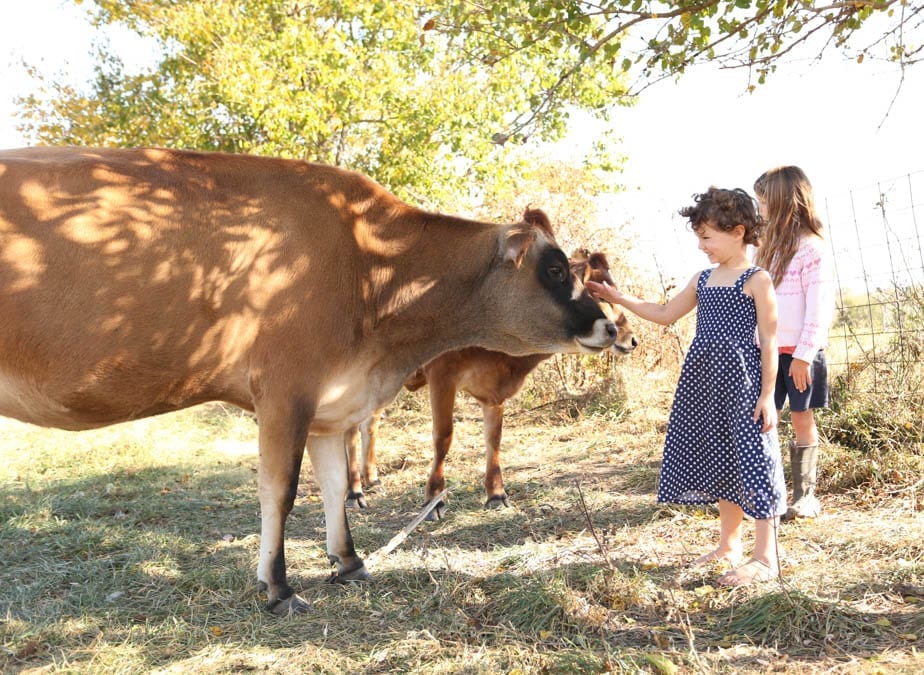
133,549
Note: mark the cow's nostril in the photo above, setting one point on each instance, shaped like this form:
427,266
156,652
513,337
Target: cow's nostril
634,342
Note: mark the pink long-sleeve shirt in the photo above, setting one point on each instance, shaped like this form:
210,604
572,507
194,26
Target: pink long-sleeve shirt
805,300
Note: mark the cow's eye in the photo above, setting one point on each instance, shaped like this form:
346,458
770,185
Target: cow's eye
557,272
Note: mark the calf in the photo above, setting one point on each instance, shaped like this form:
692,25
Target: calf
491,377
137,282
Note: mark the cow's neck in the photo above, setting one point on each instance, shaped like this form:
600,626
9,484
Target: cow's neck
436,303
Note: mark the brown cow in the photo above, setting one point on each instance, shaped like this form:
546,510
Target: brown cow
491,377
137,282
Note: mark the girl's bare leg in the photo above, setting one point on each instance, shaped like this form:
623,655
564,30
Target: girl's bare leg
803,427
764,565
729,548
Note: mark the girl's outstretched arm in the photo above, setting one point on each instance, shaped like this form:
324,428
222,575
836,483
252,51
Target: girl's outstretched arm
760,287
666,314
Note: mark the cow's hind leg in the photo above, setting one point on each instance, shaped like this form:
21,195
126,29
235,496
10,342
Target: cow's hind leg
355,497
493,480
282,447
328,460
370,431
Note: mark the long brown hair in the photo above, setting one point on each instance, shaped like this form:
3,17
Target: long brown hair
791,213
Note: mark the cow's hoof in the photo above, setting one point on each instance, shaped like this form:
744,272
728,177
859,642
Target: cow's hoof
438,512
497,502
351,576
376,487
288,607
356,500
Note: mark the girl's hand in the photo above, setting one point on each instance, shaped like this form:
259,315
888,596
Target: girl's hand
801,373
604,292
765,409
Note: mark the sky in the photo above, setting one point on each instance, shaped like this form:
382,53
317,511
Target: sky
831,117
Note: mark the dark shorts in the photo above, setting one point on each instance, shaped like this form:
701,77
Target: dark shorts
815,395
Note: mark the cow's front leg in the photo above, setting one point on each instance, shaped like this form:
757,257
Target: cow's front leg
329,462
282,447
493,480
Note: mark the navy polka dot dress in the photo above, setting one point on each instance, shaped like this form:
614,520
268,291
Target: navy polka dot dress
713,449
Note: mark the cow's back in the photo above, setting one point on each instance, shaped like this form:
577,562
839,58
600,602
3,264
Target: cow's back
146,274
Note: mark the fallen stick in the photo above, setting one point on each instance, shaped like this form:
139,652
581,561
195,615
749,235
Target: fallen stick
397,540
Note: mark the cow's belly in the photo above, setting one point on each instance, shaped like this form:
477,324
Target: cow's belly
352,398
91,407
27,403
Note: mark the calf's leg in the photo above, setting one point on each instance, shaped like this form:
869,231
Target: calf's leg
369,429
493,480
442,401
355,497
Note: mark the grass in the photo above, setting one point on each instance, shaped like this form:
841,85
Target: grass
133,550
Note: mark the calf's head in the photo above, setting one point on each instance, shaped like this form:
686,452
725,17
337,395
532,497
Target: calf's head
589,266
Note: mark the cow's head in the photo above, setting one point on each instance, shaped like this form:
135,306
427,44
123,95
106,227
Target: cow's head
536,299
589,266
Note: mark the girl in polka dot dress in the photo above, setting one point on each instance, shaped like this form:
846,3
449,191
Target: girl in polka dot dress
721,443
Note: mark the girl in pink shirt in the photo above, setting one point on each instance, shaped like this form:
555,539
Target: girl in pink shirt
799,262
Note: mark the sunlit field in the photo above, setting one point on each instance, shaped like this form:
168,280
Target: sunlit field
133,549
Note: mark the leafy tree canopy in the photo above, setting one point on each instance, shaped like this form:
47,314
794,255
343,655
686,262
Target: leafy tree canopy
423,96
361,83
652,39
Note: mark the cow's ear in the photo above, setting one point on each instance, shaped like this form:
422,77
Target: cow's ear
580,255
598,268
598,260
537,218
517,241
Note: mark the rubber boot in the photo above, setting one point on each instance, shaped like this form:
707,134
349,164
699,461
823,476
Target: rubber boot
803,462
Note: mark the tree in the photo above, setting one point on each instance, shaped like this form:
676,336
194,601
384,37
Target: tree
362,83
426,97
654,39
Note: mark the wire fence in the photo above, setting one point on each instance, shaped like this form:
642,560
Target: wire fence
877,239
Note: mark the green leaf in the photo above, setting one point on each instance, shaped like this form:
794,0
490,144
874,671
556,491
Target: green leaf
661,664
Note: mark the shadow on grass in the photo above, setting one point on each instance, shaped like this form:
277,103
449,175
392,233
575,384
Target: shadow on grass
604,610
70,545
172,587
159,564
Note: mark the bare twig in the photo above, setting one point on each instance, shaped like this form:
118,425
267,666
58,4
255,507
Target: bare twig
399,538
579,399
907,488
590,525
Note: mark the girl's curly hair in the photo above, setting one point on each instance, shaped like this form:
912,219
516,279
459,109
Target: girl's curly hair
724,209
